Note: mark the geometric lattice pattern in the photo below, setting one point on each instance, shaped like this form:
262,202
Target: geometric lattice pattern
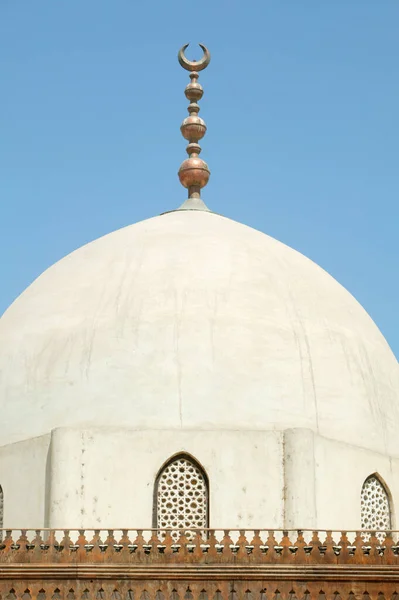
375,510
182,496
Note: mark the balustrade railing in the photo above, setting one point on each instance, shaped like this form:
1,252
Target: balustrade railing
211,564
208,546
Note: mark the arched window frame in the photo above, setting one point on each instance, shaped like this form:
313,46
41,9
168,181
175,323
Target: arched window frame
384,487
195,463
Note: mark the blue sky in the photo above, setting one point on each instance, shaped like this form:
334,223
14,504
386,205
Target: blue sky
301,102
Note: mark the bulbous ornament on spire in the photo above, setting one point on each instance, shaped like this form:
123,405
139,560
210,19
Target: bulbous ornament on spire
194,172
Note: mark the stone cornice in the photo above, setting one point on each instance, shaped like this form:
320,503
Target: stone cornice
173,572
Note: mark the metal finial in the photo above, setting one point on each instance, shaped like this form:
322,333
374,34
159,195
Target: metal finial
194,172
194,65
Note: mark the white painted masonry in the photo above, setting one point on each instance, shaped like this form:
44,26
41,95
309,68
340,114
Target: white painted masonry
110,474
190,332
23,477
104,477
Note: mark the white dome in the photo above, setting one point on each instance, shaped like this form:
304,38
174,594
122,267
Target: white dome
190,320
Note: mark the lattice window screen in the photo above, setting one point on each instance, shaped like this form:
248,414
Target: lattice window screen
375,509
182,496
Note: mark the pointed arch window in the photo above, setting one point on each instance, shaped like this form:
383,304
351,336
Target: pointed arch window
181,499
375,505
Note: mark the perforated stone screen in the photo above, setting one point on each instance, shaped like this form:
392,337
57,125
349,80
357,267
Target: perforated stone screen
182,496
375,509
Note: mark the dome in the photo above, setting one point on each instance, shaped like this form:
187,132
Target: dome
192,321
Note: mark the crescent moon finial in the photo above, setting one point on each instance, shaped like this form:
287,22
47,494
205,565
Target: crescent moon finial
194,65
194,172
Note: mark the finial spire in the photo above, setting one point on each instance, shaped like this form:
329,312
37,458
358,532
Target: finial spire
194,172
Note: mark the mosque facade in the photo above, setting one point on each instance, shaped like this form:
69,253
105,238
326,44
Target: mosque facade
199,381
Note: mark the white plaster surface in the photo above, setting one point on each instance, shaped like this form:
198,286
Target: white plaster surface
23,479
324,478
340,471
191,321
299,477
261,479
105,477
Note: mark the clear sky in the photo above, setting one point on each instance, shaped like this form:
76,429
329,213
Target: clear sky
301,102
